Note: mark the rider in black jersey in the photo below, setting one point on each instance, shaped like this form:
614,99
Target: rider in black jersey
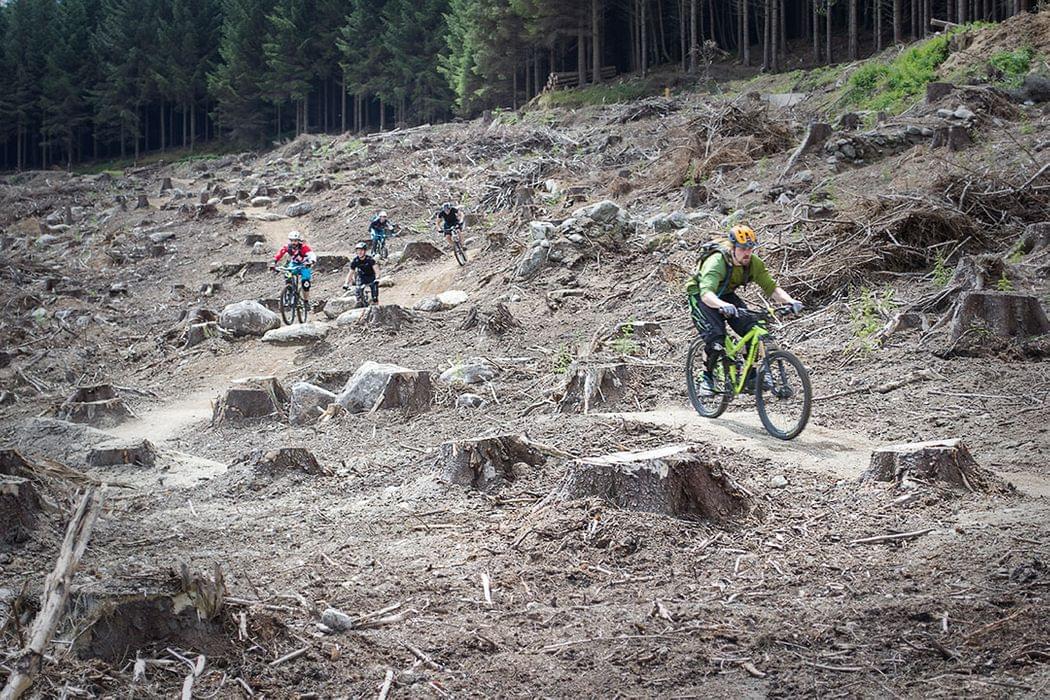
447,219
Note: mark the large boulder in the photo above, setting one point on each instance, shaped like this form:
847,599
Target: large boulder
420,250
603,212
532,260
299,334
308,403
473,372
383,386
248,318
334,308
664,223
299,208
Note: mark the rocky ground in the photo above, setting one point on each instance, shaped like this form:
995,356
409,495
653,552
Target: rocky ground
508,581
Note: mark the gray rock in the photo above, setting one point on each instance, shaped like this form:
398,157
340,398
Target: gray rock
369,385
945,113
778,481
468,373
848,150
260,248
803,176
784,198
539,230
963,113
605,211
299,334
428,304
308,402
337,620
349,318
469,401
299,209
452,298
531,262
338,306
576,238
662,223
248,318
261,201
161,236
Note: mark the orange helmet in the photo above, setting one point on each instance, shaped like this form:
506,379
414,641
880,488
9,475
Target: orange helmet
743,236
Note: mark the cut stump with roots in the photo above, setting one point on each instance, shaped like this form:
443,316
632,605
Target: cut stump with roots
673,480
282,461
945,461
140,453
980,316
256,399
19,508
97,405
589,385
485,463
492,320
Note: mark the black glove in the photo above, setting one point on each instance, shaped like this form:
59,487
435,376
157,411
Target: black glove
346,286
729,311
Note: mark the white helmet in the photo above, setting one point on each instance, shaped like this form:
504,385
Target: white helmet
294,236
381,215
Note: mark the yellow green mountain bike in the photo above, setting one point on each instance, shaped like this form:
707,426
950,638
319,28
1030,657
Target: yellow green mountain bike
780,382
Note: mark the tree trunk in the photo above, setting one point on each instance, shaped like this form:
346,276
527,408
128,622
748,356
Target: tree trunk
745,31
663,36
681,36
852,30
766,7
816,31
645,42
827,31
382,109
581,58
782,43
596,40
960,8
342,101
694,45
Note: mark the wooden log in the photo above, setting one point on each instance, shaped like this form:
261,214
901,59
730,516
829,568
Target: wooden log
57,587
673,480
947,461
486,463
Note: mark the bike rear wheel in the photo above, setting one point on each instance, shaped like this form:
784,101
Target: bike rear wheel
708,404
783,407
287,304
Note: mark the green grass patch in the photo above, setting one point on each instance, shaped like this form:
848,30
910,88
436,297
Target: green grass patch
604,93
116,166
893,86
1012,66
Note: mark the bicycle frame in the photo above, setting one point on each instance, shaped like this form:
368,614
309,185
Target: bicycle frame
752,340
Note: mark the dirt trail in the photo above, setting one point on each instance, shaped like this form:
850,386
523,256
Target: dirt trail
818,449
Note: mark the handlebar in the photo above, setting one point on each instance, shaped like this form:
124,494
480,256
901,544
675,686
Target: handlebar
769,312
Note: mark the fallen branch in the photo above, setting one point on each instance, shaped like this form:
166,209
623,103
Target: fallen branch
56,591
885,388
894,537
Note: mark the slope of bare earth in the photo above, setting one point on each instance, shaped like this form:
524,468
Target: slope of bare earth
511,592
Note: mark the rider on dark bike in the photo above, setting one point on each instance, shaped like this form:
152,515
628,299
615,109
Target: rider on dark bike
447,219
367,271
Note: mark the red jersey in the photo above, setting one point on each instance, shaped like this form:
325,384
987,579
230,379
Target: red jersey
298,256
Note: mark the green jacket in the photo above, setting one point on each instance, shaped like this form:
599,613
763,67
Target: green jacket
711,273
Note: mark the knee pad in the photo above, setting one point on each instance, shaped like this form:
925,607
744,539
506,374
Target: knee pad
306,284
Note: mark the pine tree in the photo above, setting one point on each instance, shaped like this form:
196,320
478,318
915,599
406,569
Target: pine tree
290,56
28,37
238,82
66,101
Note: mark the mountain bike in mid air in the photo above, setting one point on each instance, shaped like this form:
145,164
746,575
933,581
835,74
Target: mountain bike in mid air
783,395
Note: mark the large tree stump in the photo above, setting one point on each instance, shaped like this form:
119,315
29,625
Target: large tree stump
589,385
947,461
257,398
390,317
955,137
97,405
376,386
19,508
420,250
494,320
282,461
672,480
816,136
1003,314
140,453
485,463
409,393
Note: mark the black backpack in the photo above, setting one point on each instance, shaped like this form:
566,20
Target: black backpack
710,248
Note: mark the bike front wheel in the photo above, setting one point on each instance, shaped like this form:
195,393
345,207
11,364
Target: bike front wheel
783,394
709,402
461,255
302,308
288,302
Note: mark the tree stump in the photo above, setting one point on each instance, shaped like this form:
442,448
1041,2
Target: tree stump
955,137
409,393
947,461
377,386
140,453
283,460
589,385
494,320
19,508
142,202
1036,238
693,196
197,333
849,121
816,135
672,480
251,239
390,317
256,399
420,250
935,91
1003,314
485,463
978,272
97,405
165,185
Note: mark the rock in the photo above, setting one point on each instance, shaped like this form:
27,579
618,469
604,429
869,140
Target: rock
541,230
576,238
334,308
260,249
469,400
963,113
377,386
1035,89
248,318
429,305
803,176
141,453
587,385
299,209
945,113
673,480
848,151
784,99
308,403
604,212
778,481
531,262
474,372
255,398
663,223
337,620
947,461
452,298
98,405
420,250
319,184
485,463
238,216
1002,314
161,236
349,318
298,334
261,201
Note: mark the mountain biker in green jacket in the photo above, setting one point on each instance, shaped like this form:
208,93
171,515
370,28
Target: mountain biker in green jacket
713,299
